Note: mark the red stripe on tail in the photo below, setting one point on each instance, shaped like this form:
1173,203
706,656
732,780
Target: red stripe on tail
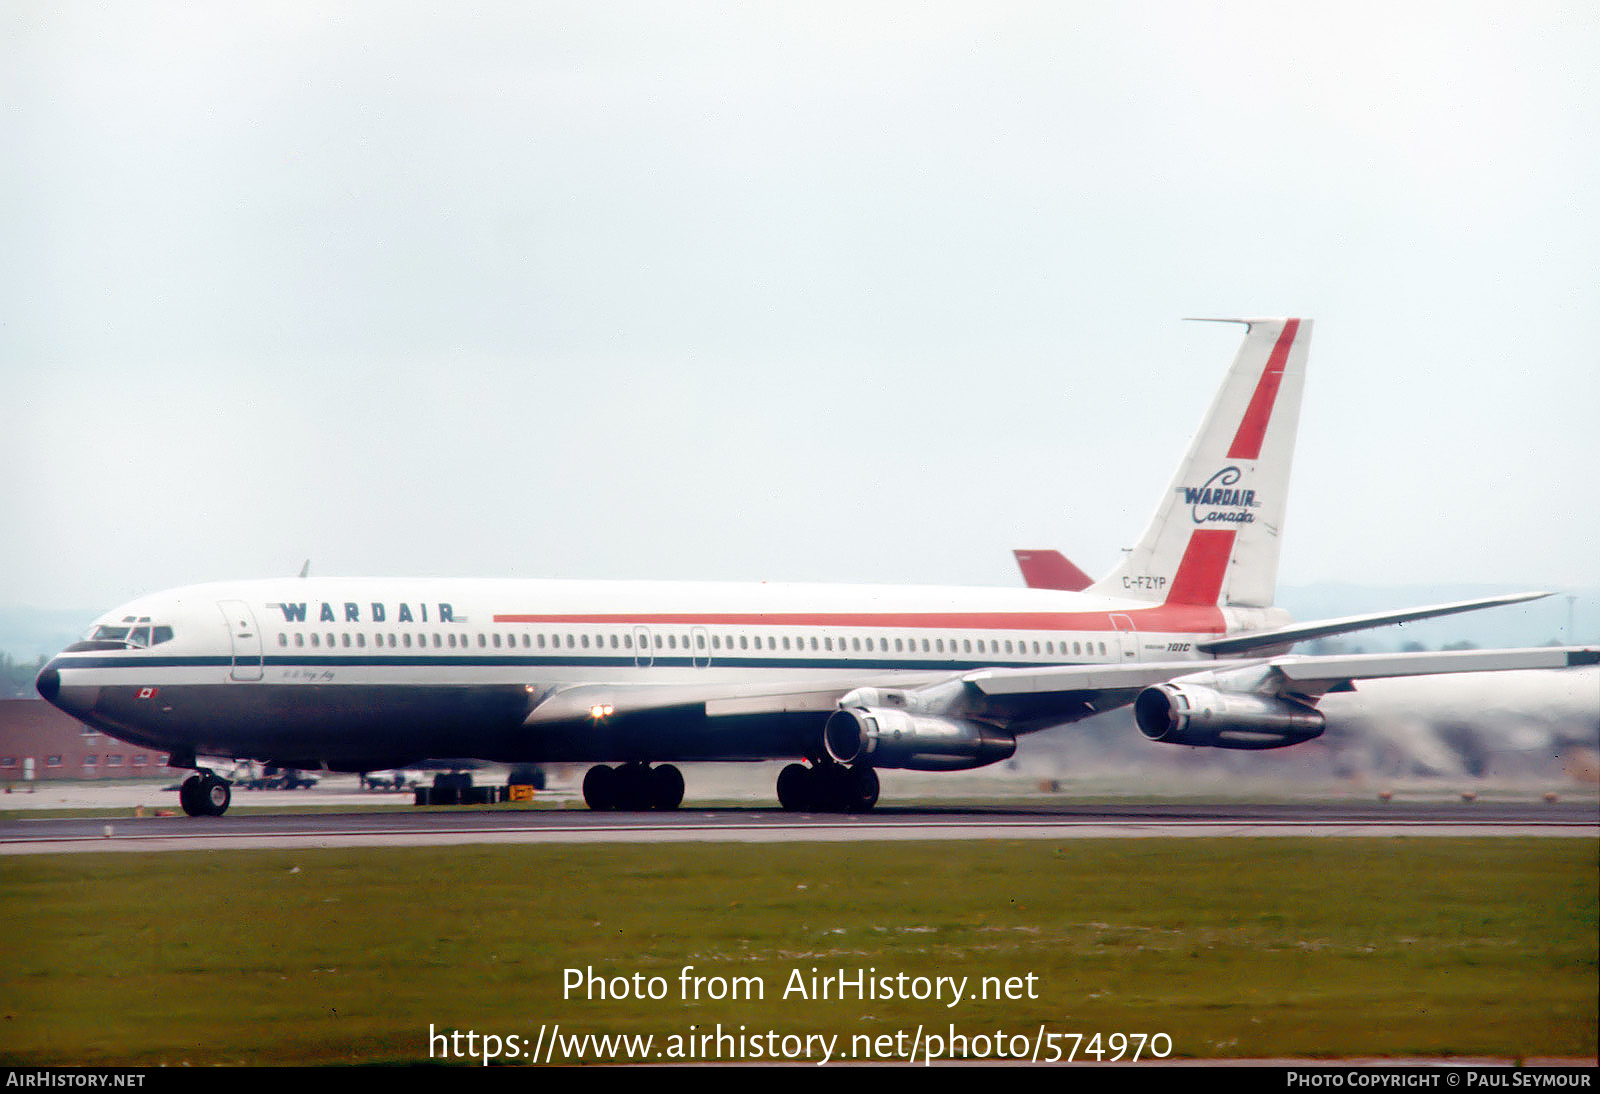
1247,442
1205,563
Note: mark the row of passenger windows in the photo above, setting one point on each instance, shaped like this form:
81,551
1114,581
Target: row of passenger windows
871,644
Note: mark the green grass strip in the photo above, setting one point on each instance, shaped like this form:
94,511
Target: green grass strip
1234,948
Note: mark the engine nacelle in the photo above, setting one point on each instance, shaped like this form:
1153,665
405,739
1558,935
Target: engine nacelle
1188,714
918,742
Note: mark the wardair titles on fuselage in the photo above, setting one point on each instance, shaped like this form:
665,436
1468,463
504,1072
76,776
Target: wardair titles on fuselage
375,613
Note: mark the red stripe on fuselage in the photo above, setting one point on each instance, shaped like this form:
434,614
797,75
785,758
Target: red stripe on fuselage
1167,618
1253,428
1205,563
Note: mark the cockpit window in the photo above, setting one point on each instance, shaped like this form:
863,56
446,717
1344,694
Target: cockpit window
139,636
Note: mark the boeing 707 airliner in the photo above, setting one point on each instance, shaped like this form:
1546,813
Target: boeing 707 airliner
359,674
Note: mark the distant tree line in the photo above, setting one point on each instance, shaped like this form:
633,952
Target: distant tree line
16,677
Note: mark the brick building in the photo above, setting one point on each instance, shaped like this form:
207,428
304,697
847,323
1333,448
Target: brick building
61,747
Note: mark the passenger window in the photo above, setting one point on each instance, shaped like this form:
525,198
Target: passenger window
315,644
345,640
361,641
283,640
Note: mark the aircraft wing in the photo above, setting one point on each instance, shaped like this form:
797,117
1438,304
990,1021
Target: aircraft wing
610,700
1029,699
1289,674
1322,628
1317,676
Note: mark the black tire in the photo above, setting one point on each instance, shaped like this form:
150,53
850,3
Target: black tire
600,788
634,788
666,788
215,796
863,789
834,784
189,796
795,788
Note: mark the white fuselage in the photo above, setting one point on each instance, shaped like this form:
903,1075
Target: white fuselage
271,665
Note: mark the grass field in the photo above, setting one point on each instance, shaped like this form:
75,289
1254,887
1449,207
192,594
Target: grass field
1233,948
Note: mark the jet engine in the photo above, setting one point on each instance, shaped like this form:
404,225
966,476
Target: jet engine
1188,714
881,737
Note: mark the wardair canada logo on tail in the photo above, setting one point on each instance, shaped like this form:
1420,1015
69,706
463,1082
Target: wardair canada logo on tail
1220,501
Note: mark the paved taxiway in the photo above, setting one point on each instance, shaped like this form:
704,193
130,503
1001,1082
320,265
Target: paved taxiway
770,825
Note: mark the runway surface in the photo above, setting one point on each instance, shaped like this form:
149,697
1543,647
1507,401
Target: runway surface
770,825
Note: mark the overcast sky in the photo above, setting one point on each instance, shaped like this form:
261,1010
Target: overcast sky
842,292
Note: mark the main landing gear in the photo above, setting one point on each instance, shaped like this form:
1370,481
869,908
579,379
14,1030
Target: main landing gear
203,794
633,787
828,788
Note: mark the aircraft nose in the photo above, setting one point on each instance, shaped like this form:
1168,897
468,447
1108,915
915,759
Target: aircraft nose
49,683
76,701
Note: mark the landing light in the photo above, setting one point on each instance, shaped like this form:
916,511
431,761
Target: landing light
600,711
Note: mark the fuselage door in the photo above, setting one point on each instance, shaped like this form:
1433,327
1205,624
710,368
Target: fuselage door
643,655
1128,636
246,639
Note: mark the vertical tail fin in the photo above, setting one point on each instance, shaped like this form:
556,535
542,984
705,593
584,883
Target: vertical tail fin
1215,536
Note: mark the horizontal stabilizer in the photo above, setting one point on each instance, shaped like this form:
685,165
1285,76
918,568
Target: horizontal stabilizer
1043,568
1322,628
